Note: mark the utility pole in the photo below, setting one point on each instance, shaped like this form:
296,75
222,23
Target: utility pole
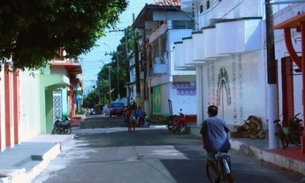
272,108
145,64
125,58
109,76
127,65
117,72
137,65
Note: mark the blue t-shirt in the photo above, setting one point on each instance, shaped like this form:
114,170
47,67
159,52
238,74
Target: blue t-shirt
214,128
138,113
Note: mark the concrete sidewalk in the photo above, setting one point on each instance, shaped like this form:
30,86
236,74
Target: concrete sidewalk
26,160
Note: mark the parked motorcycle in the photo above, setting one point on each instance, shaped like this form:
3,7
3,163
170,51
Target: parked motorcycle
62,126
177,123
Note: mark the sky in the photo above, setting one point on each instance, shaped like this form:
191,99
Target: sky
93,61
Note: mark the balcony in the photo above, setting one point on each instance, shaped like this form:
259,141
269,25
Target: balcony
209,43
203,45
179,58
157,70
244,38
188,49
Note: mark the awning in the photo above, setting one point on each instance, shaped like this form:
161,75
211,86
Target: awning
54,81
71,67
293,22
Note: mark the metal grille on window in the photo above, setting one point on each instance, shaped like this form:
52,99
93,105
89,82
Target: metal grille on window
159,50
57,104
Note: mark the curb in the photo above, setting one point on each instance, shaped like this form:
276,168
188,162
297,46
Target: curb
261,154
21,175
270,157
34,165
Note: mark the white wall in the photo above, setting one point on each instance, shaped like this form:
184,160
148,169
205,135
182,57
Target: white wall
243,93
29,105
184,100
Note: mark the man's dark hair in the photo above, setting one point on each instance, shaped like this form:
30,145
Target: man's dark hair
213,110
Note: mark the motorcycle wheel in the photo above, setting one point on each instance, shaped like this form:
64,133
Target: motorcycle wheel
183,128
67,131
55,131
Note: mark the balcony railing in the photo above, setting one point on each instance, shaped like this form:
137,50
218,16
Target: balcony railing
158,69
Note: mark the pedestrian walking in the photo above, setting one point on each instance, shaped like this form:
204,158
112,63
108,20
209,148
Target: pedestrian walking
131,120
139,116
132,104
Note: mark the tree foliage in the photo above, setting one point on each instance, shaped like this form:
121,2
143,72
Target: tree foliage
91,99
103,75
31,31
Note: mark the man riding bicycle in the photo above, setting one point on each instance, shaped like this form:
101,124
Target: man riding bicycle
215,139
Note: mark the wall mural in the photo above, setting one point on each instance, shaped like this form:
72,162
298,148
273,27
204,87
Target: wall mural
223,86
185,88
157,99
234,90
211,84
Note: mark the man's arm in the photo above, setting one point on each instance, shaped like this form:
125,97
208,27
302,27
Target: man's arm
227,129
203,133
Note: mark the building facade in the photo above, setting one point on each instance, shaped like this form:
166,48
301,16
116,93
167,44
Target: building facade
231,42
161,24
27,99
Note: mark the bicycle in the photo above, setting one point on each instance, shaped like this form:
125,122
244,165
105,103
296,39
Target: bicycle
295,130
280,133
223,164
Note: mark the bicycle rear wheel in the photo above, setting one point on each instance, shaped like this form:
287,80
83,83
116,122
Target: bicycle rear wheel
210,174
295,138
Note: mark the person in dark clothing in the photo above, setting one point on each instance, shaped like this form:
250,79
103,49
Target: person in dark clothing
132,104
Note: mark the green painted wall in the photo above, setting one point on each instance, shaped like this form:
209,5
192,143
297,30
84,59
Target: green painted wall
157,99
64,100
48,83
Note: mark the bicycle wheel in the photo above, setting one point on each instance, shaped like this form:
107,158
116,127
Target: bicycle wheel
295,137
210,174
284,141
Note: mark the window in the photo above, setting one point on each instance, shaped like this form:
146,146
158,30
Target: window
201,8
183,24
159,50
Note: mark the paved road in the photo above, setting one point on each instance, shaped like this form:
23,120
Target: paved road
149,155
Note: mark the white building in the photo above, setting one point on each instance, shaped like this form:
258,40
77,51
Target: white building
230,44
164,24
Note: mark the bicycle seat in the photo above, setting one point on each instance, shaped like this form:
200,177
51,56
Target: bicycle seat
223,154
275,121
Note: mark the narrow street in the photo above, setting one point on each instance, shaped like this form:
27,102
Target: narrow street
149,155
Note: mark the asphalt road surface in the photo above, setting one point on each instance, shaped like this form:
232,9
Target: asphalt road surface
149,155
